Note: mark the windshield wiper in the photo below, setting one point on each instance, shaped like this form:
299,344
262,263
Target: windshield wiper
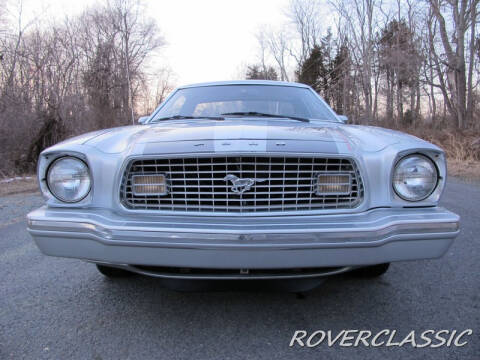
259,114
187,117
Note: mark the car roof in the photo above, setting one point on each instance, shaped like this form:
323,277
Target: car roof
246,82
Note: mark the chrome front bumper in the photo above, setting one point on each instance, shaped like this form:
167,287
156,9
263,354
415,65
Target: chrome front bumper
283,242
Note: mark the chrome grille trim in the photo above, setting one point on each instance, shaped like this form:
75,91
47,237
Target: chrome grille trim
289,187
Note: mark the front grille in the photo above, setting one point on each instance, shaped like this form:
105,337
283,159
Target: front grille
206,184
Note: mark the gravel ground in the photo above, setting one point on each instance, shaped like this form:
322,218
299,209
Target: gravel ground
63,309
13,208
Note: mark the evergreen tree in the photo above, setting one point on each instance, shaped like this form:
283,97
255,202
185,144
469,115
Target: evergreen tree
255,72
313,71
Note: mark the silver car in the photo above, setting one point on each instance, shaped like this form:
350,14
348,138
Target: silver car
243,180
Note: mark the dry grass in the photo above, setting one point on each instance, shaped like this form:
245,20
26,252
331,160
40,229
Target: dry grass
469,170
458,145
21,184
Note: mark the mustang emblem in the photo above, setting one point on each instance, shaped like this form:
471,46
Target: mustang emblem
239,186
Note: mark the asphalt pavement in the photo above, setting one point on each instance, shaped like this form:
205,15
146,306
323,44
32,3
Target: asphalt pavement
53,308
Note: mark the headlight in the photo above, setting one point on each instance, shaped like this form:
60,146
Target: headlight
415,177
68,179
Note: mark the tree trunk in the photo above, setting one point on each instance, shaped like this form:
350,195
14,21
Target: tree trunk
389,96
399,102
456,72
471,60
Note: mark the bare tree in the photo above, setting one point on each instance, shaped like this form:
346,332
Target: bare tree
384,57
464,16
293,40
360,29
153,90
81,74
306,18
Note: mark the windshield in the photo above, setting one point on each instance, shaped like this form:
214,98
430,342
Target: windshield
211,101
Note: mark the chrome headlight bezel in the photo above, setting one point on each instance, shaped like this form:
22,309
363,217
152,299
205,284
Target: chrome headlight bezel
420,157
55,194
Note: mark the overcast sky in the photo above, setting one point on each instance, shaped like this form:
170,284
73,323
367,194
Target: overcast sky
208,40
211,39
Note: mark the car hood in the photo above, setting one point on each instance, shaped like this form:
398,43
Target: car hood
246,135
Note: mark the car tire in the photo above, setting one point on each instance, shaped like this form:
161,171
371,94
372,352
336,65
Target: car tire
371,271
112,272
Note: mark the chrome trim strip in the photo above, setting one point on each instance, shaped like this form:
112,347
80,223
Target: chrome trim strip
328,235
375,236
165,275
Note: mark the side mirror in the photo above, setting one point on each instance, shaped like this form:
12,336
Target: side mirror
343,118
143,119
